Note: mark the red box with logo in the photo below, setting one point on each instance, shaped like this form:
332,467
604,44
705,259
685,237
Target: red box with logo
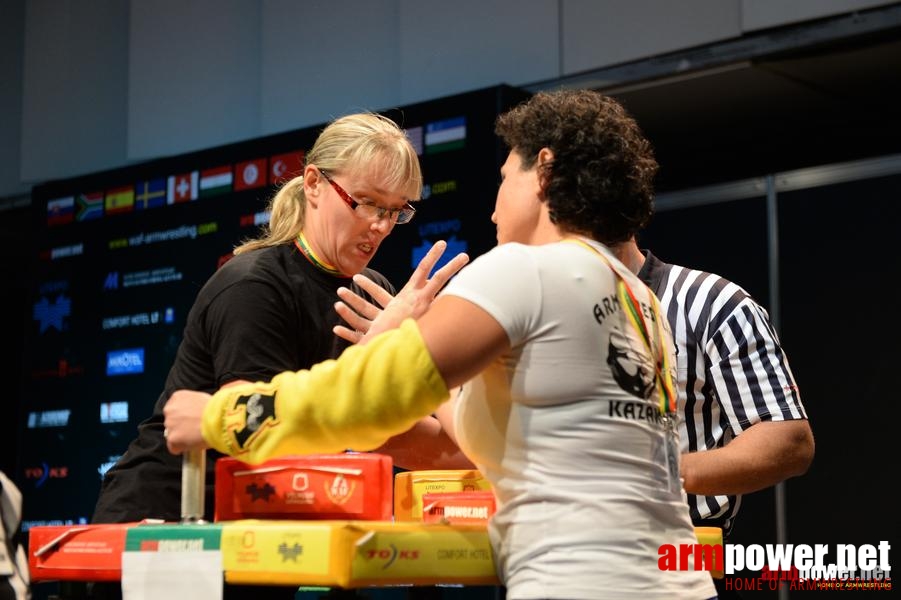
351,486
77,552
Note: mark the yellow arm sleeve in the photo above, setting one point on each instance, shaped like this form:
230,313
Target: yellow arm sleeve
358,401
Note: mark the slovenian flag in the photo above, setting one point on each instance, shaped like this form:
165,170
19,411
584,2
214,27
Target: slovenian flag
449,134
90,206
215,181
61,211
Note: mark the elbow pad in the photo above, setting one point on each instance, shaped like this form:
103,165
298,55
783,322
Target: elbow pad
358,401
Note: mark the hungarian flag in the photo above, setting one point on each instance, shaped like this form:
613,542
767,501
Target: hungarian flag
182,188
61,211
250,174
283,167
215,181
120,200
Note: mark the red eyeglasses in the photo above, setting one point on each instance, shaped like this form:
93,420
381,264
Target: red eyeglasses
371,212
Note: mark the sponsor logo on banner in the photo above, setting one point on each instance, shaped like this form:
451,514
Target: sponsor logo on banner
51,313
114,412
182,188
439,230
60,211
284,167
140,319
114,279
119,200
63,368
49,418
90,206
43,472
250,174
181,232
107,465
29,523
62,252
215,181
151,194
257,218
125,362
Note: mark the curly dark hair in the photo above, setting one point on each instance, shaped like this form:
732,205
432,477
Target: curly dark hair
600,182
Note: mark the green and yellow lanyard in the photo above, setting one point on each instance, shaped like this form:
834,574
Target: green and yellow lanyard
632,308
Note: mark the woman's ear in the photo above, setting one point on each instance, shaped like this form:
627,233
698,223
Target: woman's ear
543,164
312,184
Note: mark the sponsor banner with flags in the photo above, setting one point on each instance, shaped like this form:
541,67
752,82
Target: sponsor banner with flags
283,167
250,174
61,210
150,194
449,134
182,188
119,200
215,181
90,206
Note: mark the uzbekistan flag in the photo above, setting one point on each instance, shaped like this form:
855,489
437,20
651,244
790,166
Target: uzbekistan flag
182,188
250,174
90,206
283,167
449,134
60,211
151,194
120,200
215,181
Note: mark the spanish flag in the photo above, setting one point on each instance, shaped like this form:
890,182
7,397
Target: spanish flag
119,200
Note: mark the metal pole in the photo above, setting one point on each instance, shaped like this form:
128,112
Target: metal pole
772,215
193,485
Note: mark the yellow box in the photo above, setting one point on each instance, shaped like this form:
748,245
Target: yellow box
711,536
351,554
409,487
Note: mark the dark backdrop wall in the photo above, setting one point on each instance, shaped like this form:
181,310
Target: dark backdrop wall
836,275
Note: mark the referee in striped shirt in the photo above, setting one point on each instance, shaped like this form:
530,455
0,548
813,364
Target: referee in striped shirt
744,427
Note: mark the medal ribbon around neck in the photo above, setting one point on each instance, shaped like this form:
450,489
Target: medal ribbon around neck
304,246
627,300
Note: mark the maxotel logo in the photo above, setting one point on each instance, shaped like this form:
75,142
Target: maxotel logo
389,555
125,362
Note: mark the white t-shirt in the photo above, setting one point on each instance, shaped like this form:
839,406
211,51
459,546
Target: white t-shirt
567,430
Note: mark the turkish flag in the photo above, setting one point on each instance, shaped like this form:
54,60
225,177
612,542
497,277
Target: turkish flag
283,167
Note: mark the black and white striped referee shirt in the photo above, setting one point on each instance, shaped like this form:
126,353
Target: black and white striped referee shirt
731,370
